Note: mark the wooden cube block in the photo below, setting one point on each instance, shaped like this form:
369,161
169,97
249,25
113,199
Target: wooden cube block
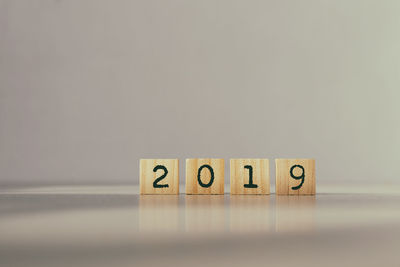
249,176
295,176
159,176
205,176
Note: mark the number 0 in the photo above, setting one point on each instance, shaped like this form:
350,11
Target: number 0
199,176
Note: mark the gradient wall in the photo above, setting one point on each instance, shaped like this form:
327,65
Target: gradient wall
89,87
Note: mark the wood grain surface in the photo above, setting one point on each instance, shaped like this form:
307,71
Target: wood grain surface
285,183
193,185
148,176
240,176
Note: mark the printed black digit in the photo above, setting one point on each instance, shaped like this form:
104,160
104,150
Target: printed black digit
155,183
211,173
301,177
250,184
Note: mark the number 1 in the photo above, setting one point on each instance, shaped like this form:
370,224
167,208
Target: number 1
250,184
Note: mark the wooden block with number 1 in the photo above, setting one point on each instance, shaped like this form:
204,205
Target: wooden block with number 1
205,176
295,176
249,176
159,176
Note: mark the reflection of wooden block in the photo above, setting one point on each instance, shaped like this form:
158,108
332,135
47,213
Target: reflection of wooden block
249,176
159,176
295,213
295,176
205,176
205,214
159,214
250,213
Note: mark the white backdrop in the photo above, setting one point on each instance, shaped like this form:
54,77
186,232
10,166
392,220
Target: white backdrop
87,88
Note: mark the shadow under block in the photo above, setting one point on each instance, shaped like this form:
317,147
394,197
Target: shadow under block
249,176
205,176
295,176
159,176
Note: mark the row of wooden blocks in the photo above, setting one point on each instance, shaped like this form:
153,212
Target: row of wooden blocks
247,176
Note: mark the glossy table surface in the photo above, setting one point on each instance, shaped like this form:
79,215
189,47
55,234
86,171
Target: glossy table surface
103,225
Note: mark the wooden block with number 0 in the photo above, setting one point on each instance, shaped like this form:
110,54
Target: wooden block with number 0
159,176
205,176
295,176
249,176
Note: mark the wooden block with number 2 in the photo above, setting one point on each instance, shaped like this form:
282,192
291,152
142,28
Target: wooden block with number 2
295,176
159,176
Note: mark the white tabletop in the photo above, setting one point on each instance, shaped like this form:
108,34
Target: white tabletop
104,225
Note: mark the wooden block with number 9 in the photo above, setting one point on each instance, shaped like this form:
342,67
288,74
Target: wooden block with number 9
159,176
295,176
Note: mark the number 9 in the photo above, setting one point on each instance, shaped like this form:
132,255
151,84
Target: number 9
301,177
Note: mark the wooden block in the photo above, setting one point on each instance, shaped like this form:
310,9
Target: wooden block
295,176
159,176
205,176
249,176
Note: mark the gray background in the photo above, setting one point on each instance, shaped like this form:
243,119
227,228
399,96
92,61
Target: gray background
87,88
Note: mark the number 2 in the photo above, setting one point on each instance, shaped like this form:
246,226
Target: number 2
250,184
301,177
155,183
